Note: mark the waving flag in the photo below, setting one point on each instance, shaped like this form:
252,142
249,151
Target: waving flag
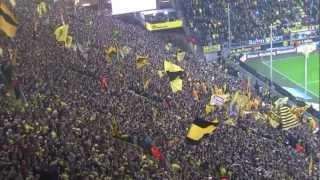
68,42
8,22
175,73
111,51
62,33
209,108
146,83
42,9
287,119
1,52
198,129
180,55
141,62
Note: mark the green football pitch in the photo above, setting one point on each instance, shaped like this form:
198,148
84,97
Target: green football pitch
289,71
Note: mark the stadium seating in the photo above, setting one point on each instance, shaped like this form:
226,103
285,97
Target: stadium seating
98,115
249,19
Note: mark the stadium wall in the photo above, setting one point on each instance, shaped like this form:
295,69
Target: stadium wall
276,51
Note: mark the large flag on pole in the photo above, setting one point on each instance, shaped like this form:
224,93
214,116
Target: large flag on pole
198,129
175,74
8,22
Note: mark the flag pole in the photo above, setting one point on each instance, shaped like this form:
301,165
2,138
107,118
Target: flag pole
305,73
271,49
229,30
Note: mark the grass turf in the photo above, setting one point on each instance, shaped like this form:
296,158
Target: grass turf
288,70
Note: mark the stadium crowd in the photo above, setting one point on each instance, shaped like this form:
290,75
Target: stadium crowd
64,131
249,20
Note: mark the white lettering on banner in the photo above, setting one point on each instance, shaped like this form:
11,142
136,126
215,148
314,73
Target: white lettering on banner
303,34
267,54
263,41
275,38
256,41
252,55
217,100
286,51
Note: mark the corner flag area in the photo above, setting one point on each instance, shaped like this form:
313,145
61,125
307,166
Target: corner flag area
288,71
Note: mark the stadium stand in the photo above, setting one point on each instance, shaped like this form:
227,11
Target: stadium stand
95,116
249,19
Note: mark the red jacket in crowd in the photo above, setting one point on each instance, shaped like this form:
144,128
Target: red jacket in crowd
156,153
103,82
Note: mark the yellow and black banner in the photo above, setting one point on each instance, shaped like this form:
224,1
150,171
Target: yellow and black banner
288,121
198,129
164,25
211,48
175,74
8,22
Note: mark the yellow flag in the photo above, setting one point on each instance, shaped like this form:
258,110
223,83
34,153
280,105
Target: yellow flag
209,108
198,129
175,167
310,168
146,82
230,122
235,97
141,62
115,131
244,102
176,85
62,33
1,52
273,119
224,88
313,125
181,55
28,128
42,8
68,42
287,119
170,67
8,22
174,72
111,51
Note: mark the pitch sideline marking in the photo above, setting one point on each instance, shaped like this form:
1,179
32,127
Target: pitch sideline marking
276,70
